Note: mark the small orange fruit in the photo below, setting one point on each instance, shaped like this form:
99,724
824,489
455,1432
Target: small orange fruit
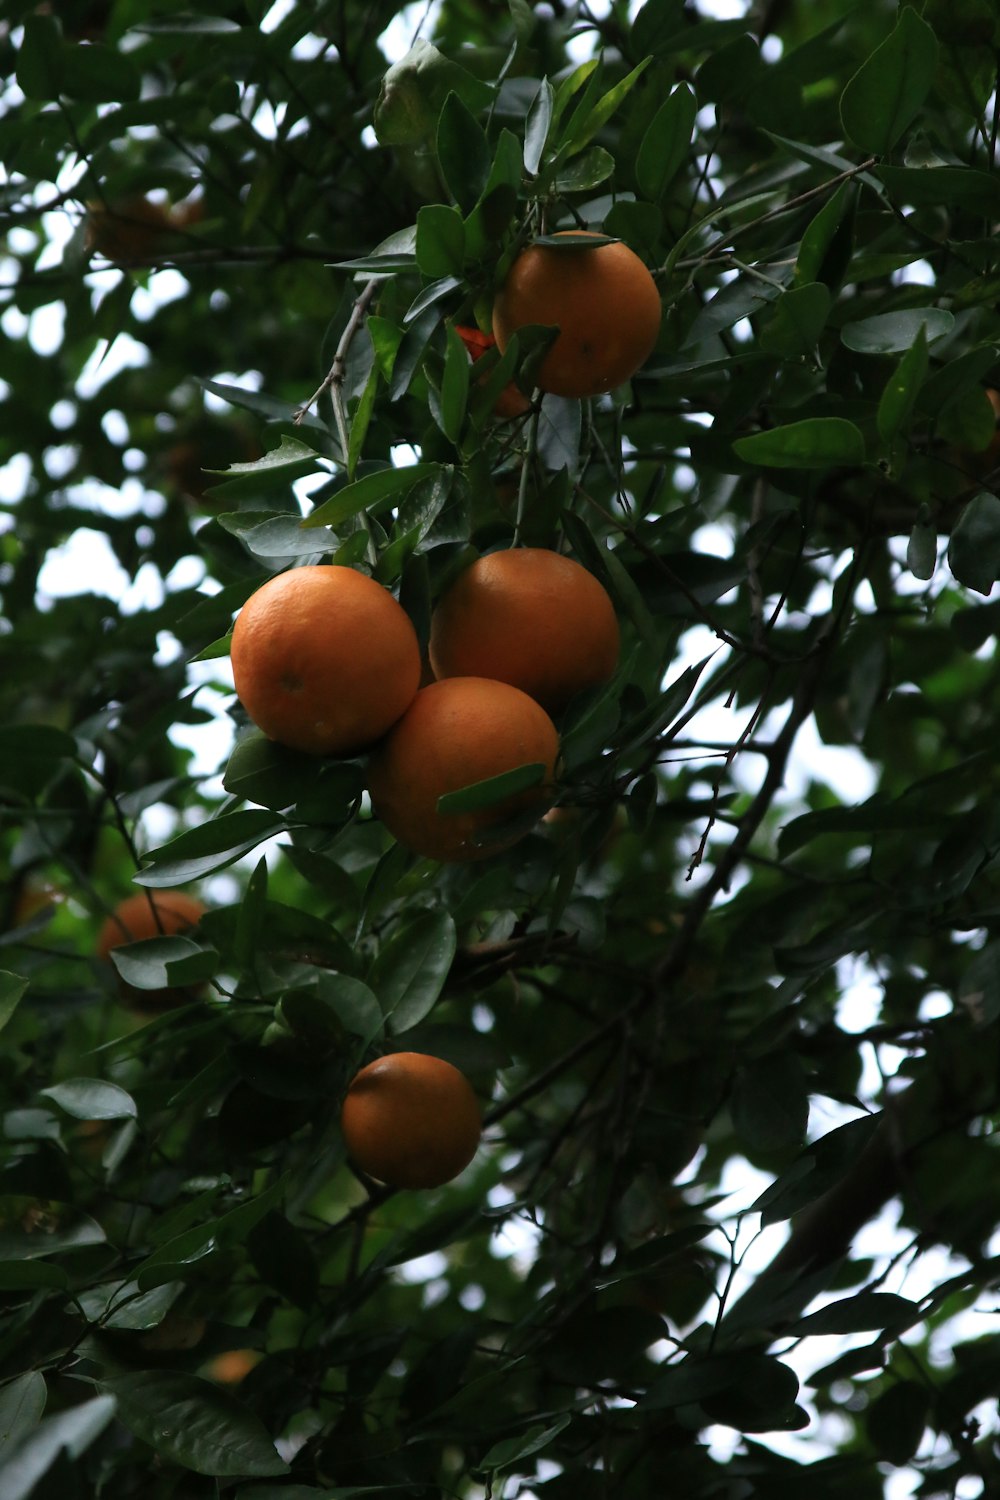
511,401
456,733
149,914
324,659
604,302
530,617
411,1120
135,231
233,1365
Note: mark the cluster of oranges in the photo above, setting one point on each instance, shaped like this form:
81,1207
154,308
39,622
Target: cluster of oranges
327,662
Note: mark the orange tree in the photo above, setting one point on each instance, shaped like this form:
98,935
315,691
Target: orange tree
730,1014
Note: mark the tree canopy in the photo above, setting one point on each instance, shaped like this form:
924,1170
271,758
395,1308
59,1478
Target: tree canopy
732,1227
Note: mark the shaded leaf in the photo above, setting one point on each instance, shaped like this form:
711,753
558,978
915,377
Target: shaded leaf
70,1432
12,990
494,789
92,1099
410,971
974,549
771,1102
888,89
211,847
815,443
666,143
191,1422
896,1419
22,1402
894,332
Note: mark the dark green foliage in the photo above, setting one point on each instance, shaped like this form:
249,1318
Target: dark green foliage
212,211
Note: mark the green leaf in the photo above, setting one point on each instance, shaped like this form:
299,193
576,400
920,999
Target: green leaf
188,24
31,1275
493,790
440,240
31,754
274,538
825,247
284,1259
509,1451
12,990
824,1162
92,1099
415,89
40,58
120,1304
814,443
660,714
263,771
463,153
653,1255
22,1402
974,549
210,847
961,187
888,89
537,124
587,121
587,172
162,962
770,1103
859,1314
262,405
921,549
70,1432
892,333
410,971
343,999
372,493
78,1234
191,1422
665,146
895,1421
899,397
454,387
979,988
98,73
290,454
797,321
361,420
699,1378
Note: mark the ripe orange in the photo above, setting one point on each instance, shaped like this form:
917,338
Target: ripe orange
454,734
604,302
530,617
149,914
232,1366
134,231
411,1120
324,659
511,402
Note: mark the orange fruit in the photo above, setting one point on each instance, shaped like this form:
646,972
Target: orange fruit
232,1366
530,617
135,231
149,914
324,659
411,1120
511,401
454,734
604,302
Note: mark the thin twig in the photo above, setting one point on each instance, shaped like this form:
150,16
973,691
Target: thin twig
334,379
